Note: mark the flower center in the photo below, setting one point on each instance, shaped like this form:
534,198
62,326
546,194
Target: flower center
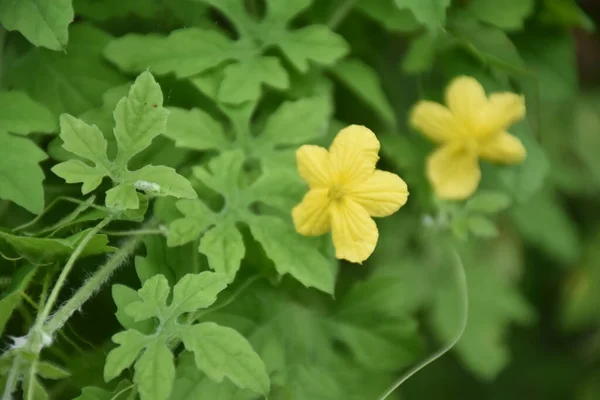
335,192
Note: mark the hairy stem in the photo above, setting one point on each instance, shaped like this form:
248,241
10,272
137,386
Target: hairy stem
49,304
91,286
461,280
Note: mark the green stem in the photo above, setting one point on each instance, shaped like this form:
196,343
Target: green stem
340,14
12,379
142,232
41,318
461,279
91,286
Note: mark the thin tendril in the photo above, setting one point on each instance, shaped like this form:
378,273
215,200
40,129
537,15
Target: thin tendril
462,283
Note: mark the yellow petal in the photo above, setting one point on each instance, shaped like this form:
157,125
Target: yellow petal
434,120
453,172
314,165
354,153
354,232
467,100
381,195
311,216
503,148
502,110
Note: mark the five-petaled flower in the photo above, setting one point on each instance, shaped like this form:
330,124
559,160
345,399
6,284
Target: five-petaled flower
473,126
346,191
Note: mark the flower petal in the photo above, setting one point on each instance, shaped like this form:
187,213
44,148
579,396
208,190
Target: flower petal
381,195
503,148
314,165
502,110
467,100
354,232
434,120
354,153
454,172
311,216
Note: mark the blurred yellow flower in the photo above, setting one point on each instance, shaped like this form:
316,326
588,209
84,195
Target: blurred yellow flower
473,126
346,191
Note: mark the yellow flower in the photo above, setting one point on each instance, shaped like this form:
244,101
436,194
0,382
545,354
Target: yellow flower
346,191
473,126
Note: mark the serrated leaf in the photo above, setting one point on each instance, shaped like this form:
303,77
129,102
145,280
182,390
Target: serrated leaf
75,171
131,343
123,296
185,52
243,81
195,129
159,180
313,43
282,127
198,218
195,291
294,254
22,115
482,226
65,82
365,83
224,247
512,17
42,23
155,372
488,202
139,118
20,175
222,352
153,299
431,13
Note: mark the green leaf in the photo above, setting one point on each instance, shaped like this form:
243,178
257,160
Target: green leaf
20,175
313,43
512,17
139,118
11,298
47,250
20,114
545,223
153,299
198,219
421,54
242,81
123,296
488,202
389,15
195,291
65,82
155,372
159,180
527,178
494,304
431,13
185,52
365,83
282,127
565,13
222,352
195,129
224,247
481,226
294,254
95,393
43,24
131,343
122,197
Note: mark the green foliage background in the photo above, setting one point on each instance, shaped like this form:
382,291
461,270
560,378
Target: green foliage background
149,145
